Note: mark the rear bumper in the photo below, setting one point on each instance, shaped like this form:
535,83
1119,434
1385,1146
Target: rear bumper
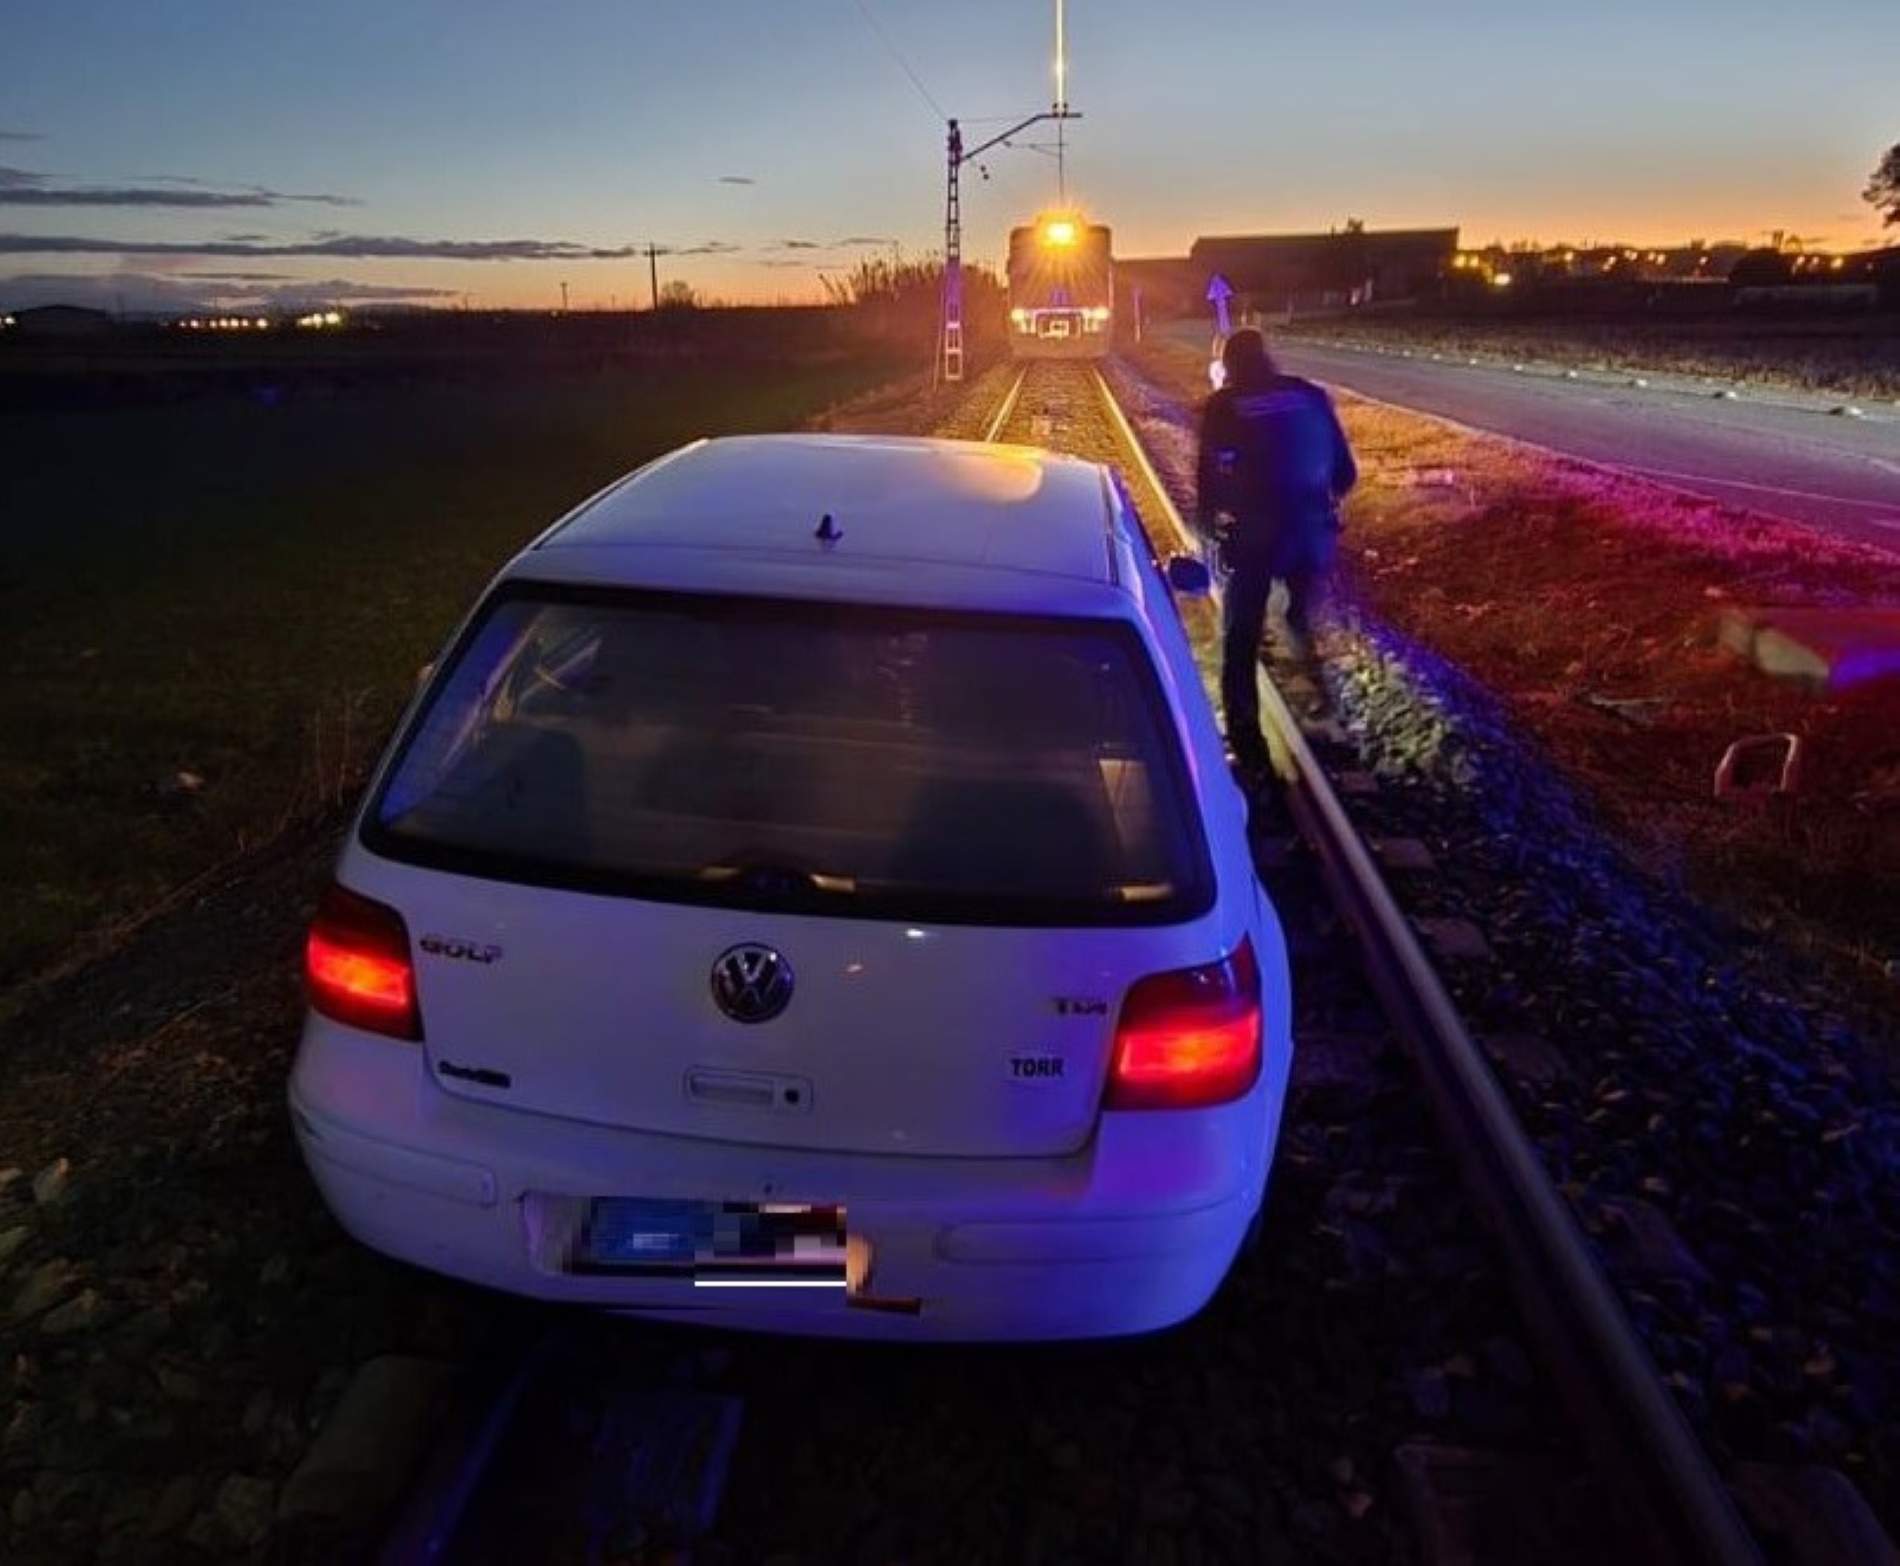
1132,1234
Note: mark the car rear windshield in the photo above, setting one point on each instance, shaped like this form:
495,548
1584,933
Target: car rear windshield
758,753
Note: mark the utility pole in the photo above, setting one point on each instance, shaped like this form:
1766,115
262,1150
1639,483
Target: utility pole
653,271
950,362
563,299
953,261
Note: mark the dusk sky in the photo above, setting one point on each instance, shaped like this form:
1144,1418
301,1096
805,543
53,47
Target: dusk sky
749,131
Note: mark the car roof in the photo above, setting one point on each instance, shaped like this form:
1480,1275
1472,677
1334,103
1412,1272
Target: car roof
893,501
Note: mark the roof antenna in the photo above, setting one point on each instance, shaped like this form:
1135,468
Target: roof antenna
828,530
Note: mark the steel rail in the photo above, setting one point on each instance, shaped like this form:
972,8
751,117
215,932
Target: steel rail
1658,1472
423,1530
994,428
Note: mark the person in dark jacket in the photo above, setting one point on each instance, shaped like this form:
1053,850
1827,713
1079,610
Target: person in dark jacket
1275,464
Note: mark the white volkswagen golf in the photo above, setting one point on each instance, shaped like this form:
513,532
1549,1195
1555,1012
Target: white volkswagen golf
809,894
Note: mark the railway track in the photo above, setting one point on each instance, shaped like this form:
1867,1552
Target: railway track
1636,1435
1270,1426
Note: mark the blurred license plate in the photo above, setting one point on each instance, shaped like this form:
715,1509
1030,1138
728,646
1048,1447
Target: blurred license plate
716,1242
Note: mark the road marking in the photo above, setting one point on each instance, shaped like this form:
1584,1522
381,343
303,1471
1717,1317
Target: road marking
1765,489
1681,482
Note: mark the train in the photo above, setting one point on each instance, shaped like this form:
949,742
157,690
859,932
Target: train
1061,288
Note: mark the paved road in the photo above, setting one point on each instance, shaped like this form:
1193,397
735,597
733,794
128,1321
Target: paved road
1790,456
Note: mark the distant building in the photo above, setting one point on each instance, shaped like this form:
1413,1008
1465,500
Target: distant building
1855,266
1618,275
1812,279
1272,273
1352,266
59,320
1550,265
1881,268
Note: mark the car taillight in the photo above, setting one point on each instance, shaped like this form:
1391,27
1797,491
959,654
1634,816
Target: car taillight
1189,1038
357,967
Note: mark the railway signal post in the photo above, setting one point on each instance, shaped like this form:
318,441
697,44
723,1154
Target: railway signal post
953,262
951,337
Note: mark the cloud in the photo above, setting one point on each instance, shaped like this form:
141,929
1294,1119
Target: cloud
123,196
22,188
351,246
737,179
245,239
785,261
149,293
130,290
241,277
322,198
13,135
712,247
270,197
853,242
338,290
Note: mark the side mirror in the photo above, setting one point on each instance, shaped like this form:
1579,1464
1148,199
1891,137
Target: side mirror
1189,577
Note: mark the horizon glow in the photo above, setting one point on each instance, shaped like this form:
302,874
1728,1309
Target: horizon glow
781,131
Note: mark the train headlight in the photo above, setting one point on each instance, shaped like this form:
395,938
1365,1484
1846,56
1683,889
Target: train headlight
1098,313
1019,317
1060,233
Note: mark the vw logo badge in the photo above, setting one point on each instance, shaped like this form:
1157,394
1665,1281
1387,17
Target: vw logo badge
752,983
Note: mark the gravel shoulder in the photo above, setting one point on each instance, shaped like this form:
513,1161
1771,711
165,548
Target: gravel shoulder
1720,1112
1592,606
180,1319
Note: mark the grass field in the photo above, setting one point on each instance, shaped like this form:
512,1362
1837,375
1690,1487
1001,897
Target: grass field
211,610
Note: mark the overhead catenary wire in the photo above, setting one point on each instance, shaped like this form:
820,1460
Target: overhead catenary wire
897,56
